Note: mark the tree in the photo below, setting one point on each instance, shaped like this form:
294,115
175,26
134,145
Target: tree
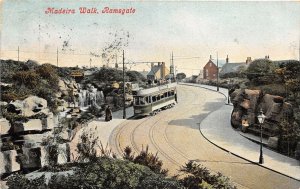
289,73
180,76
261,71
28,79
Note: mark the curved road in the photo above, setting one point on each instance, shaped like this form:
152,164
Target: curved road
175,135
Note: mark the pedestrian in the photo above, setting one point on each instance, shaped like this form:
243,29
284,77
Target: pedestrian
108,114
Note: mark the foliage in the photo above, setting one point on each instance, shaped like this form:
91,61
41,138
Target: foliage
289,74
200,177
20,181
289,136
109,74
105,173
87,148
10,67
261,71
29,79
145,158
49,73
180,76
135,76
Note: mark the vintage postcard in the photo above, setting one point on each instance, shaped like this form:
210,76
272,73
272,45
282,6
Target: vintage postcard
149,94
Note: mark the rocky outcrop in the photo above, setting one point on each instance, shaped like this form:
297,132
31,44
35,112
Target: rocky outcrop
30,106
9,162
4,126
248,103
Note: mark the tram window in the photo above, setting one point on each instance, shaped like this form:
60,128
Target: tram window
147,99
153,98
162,96
166,94
169,93
142,100
172,93
158,97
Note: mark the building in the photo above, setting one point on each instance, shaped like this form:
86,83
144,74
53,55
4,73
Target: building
159,71
234,67
210,70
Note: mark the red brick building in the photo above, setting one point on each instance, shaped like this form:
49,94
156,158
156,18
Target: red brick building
210,70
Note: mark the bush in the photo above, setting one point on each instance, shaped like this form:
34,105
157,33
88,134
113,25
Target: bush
145,158
200,177
104,173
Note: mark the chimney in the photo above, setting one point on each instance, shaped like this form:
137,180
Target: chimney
210,57
227,59
152,65
158,63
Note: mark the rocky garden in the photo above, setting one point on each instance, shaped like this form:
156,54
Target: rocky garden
273,87
42,109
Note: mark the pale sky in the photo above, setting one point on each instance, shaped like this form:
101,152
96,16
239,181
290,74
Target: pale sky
189,29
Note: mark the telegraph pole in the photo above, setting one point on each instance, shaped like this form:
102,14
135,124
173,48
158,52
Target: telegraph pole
174,76
57,56
18,53
217,72
90,63
124,108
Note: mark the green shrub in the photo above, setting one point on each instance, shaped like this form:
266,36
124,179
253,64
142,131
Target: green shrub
103,173
200,177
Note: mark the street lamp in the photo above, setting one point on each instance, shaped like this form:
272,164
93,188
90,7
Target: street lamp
261,118
228,87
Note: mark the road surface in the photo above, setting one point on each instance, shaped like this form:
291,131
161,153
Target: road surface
175,135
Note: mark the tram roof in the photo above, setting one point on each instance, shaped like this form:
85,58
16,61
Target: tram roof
148,91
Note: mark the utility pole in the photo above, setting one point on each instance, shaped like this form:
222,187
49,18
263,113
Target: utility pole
18,53
124,108
217,72
57,56
90,63
174,76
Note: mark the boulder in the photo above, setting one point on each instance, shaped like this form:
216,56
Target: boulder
248,102
29,106
4,126
31,125
3,103
8,162
49,122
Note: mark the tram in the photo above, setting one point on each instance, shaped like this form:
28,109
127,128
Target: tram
153,100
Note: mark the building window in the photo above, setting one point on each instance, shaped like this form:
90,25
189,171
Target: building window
214,75
210,64
207,73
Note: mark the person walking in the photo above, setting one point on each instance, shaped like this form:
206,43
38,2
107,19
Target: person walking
108,114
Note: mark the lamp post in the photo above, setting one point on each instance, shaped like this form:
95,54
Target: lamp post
228,87
261,118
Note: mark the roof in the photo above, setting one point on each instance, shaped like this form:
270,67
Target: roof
154,70
231,67
221,62
143,92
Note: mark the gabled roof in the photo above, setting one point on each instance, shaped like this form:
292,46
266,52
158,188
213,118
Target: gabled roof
220,62
231,67
154,70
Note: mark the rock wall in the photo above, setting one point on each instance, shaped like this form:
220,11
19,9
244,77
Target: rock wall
23,137
247,104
